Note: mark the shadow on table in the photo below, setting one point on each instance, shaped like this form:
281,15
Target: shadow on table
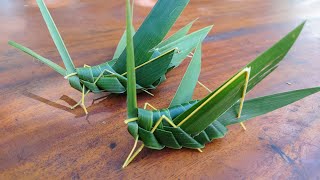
78,111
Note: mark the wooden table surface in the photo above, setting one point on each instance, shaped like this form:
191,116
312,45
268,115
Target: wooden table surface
41,138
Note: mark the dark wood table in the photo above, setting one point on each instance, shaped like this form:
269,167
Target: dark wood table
41,138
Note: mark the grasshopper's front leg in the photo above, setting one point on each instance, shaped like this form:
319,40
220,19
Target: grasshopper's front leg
82,101
148,104
132,155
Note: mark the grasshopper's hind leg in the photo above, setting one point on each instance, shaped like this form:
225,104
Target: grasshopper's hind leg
209,90
244,95
242,98
148,104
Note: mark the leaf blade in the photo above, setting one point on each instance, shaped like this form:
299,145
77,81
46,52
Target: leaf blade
179,34
56,37
122,44
46,61
262,105
153,30
185,45
272,57
189,81
132,106
147,74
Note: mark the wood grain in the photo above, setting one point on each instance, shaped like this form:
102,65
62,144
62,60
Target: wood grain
40,137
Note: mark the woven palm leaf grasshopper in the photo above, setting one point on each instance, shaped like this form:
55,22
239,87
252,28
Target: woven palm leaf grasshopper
154,56
191,123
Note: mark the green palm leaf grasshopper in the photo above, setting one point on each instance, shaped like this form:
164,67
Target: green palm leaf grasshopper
154,55
191,123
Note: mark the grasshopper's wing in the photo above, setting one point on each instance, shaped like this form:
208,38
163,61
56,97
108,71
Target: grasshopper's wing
152,31
185,45
177,35
202,114
151,71
189,80
212,107
268,61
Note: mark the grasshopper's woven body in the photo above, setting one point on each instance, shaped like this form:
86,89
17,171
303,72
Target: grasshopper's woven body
103,78
167,136
97,80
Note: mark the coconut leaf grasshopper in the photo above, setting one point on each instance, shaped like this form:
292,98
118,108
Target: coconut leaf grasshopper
154,55
191,123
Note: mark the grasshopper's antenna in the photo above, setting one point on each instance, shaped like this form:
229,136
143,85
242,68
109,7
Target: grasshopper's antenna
131,83
56,38
65,56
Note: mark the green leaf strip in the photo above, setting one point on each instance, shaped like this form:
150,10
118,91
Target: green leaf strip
152,31
46,61
131,84
189,80
56,37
